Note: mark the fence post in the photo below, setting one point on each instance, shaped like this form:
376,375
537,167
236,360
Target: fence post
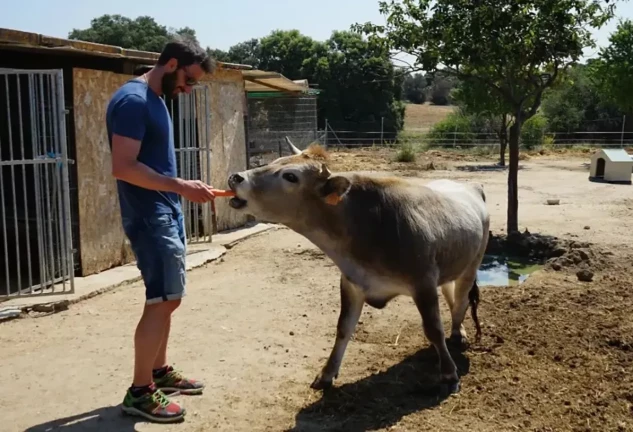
455,137
382,129
325,137
622,136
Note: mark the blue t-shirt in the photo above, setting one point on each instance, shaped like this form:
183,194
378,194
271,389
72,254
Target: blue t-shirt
135,111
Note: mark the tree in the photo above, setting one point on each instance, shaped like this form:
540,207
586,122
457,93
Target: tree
577,104
360,84
142,33
414,88
613,70
479,99
290,53
517,49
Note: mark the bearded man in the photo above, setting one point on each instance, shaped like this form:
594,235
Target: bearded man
141,138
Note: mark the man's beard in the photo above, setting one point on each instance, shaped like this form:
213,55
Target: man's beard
168,85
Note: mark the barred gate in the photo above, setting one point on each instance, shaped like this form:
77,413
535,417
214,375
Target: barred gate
191,116
35,218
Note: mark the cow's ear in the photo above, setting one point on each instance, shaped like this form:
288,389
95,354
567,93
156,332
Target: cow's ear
334,189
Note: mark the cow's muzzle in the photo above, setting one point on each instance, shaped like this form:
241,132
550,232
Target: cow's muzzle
236,202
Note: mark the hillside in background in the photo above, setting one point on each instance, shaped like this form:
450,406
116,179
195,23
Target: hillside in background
421,118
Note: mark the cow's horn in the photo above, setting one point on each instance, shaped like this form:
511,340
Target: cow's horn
293,149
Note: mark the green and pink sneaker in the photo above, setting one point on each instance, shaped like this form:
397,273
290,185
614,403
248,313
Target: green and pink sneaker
153,405
173,382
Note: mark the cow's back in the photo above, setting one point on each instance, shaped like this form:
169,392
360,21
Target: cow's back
401,226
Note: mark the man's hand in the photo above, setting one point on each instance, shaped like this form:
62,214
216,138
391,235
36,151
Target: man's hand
196,191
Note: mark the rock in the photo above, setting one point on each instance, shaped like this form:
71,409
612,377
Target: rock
556,266
587,227
558,252
584,275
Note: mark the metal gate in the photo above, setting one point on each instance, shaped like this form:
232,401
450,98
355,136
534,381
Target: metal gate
35,218
191,115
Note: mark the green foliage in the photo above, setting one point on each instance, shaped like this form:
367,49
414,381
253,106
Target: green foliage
406,153
457,128
533,132
290,53
577,104
415,88
360,84
441,89
504,44
142,33
613,70
247,52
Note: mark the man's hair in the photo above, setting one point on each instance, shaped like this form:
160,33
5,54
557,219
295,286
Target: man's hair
187,52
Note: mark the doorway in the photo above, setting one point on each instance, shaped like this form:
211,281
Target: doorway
600,168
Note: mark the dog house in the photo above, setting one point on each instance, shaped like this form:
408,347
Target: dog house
611,166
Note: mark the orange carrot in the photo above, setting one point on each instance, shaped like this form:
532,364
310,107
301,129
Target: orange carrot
223,192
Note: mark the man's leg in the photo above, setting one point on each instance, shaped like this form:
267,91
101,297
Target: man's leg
160,258
165,377
150,343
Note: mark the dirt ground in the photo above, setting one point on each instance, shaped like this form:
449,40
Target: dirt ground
256,326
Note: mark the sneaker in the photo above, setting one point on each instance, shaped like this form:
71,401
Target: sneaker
174,382
154,406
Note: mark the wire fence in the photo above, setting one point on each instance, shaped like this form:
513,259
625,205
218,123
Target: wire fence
335,138
272,118
342,138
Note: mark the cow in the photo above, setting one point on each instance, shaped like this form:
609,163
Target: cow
389,236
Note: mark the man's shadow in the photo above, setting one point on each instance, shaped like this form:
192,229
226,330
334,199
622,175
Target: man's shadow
380,400
101,419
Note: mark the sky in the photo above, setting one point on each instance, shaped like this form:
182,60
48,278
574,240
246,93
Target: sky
219,23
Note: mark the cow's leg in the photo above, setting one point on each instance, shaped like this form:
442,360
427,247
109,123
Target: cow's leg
352,300
448,291
428,302
463,285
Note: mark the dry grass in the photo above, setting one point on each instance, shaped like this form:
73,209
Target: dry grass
421,118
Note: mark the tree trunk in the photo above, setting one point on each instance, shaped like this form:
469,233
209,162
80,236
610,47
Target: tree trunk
513,174
502,151
502,134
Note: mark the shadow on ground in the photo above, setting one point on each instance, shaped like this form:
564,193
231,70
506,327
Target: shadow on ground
485,167
380,400
101,419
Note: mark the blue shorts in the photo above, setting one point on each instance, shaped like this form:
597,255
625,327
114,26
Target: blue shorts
160,247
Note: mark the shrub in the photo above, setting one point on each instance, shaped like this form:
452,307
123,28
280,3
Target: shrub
406,153
456,128
533,131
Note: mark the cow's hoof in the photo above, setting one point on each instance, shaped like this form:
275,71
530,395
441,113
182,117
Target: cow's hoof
459,342
450,387
320,383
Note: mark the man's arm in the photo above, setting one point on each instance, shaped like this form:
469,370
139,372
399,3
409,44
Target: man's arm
126,167
128,128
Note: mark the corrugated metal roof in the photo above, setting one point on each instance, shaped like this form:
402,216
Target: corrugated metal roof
263,81
617,155
38,42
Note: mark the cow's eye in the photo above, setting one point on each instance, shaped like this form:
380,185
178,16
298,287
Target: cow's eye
290,177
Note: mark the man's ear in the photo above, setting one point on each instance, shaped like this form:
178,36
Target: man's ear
171,65
334,189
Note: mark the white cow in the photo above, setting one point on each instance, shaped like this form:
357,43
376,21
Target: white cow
389,236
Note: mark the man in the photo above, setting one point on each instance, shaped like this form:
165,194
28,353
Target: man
140,133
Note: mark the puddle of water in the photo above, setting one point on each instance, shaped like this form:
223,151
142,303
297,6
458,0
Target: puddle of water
497,270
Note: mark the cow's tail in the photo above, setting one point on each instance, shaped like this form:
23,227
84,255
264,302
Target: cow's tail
473,298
